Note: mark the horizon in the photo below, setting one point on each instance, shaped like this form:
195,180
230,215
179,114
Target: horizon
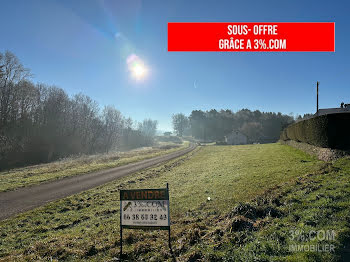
85,48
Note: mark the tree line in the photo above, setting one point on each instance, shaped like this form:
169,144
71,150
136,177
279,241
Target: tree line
41,123
213,125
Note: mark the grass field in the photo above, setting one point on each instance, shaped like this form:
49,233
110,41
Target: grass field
21,177
260,196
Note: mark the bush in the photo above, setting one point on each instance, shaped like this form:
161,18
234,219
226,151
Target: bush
172,139
332,131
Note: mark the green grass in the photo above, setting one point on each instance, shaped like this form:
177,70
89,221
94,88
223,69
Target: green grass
284,189
21,177
315,203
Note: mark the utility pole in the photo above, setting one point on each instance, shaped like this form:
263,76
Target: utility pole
317,98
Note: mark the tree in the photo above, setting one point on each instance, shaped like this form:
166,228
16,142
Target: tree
253,131
113,123
41,123
12,73
148,127
180,123
1,68
258,126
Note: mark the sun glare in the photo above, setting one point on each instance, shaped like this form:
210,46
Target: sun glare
137,68
139,71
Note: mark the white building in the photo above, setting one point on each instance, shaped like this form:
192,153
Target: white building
236,138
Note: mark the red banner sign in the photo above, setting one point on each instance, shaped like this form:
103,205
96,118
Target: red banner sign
265,37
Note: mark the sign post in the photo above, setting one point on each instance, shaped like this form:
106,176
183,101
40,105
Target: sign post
144,209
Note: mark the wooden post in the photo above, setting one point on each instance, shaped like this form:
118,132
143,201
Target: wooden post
317,99
169,240
121,231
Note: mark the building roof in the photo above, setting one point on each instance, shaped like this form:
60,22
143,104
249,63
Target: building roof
327,111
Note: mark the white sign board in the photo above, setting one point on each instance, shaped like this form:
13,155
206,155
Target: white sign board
144,208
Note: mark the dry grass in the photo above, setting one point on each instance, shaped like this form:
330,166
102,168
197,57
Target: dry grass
21,177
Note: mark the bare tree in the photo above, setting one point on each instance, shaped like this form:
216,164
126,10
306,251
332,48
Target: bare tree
148,127
12,73
113,123
41,123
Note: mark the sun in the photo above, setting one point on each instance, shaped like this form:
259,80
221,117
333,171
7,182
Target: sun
139,71
137,68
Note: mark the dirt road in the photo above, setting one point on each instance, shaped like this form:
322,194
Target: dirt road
23,199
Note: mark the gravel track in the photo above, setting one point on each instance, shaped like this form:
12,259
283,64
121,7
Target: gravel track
27,198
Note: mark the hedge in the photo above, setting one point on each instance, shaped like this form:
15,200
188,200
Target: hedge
332,131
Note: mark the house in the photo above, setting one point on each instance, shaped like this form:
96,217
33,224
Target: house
327,111
236,138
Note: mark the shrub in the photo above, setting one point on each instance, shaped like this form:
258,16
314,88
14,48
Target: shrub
172,139
332,130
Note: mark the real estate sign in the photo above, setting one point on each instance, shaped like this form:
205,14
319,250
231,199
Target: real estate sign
144,208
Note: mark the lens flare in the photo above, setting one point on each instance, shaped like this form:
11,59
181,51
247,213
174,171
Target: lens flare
137,67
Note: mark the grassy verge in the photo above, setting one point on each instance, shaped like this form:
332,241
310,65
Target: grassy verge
21,177
260,194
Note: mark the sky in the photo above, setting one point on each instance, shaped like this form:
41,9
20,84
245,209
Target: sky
84,45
